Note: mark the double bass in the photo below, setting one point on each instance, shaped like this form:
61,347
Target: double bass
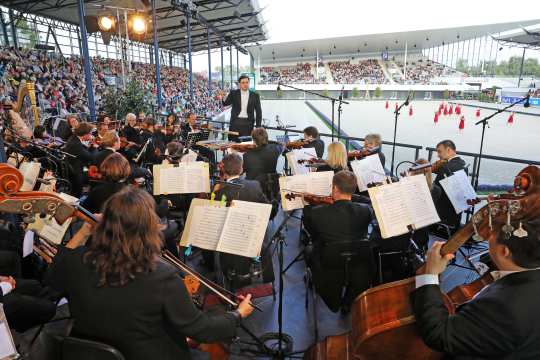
383,322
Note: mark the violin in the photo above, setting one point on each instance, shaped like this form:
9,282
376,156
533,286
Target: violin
360,154
312,161
35,205
239,147
382,316
124,143
311,199
297,144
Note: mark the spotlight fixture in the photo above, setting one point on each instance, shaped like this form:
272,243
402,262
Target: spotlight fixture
105,23
138,24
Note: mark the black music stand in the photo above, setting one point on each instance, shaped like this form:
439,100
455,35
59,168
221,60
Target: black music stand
194,137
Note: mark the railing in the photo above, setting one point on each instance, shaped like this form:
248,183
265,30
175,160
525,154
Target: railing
475,157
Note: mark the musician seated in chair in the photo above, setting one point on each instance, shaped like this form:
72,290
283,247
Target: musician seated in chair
332,226
336,160
191,126
110,143
79,146
502,321
115,171
446,150
263,159
311,136
121,293
237,188
372,142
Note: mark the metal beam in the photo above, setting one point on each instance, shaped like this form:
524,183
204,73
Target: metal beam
156,55
86,56
188,24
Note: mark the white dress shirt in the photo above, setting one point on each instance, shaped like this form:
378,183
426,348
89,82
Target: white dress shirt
244,98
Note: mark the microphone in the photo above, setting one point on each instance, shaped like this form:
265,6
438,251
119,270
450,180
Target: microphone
341,92
408,99
527,98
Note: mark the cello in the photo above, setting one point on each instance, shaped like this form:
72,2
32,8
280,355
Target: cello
383,322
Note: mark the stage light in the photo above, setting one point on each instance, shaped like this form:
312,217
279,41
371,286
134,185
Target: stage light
105,23
138,24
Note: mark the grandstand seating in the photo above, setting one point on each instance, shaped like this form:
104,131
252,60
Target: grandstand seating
365,72
60,83
302,73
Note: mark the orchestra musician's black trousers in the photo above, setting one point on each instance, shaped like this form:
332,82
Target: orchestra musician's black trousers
28,305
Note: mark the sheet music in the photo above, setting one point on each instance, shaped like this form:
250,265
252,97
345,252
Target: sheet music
398,205
7,346
30,171
244,228
191,156
52,231
28,243
48,175
207,224
316,183
368,170
458,189
69,199
300,154
185,178
390,210
417,196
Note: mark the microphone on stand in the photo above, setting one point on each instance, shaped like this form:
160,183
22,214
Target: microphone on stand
341,93
278,86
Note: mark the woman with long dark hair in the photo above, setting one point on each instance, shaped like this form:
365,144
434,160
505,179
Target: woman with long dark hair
121,293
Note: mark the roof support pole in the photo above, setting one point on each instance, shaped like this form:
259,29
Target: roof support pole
230,65
209,62
222,69
188,28
521,67
13,23
156,55
237,64
4,28
86,62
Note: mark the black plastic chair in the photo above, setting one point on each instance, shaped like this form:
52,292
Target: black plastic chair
81,349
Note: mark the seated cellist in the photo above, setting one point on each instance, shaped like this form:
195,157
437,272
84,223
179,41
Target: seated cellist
503,320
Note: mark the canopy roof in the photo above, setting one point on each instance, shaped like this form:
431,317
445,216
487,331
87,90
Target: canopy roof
377,43
237,21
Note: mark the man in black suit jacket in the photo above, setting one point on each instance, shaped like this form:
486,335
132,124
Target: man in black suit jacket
237,188
246,109
311,135
446,150
502,321
110,143
333,229
78,146
263,159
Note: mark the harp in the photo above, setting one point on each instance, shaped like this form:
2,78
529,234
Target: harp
26,104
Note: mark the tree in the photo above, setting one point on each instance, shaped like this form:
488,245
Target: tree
135,98
355,93
378,92
325,92
446,94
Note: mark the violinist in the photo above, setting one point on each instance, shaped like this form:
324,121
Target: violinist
156,146
129,131
110,143
331,226
191,126
121,293
502,321
372,142
42,137
263,159
171,128
102,129
115,171
312,139
446,150
65,130
79,145
336,159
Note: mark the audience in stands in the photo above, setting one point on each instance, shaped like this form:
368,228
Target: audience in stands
366,71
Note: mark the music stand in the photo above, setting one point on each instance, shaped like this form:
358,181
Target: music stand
194,137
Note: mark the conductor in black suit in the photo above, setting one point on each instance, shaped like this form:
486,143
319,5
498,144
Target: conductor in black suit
246,108
502,321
